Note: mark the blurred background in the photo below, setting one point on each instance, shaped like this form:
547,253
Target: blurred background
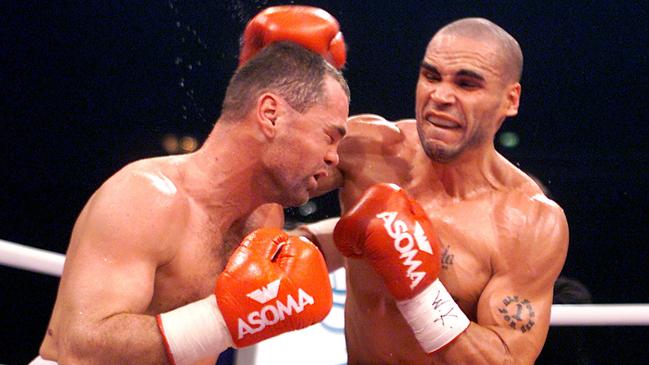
89,86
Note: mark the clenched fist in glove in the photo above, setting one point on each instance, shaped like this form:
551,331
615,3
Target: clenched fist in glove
392,232
310,27
273,283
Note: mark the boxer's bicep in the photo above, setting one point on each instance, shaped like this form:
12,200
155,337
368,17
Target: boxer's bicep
517,301
117,244
518,314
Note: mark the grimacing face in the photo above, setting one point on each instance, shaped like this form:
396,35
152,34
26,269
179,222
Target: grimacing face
309,145
461,98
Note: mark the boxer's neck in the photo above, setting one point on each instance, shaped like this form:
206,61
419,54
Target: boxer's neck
222,177
474,173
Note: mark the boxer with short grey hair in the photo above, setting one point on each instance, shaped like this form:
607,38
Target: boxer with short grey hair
174,259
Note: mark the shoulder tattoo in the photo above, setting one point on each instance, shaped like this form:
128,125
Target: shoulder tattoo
518,313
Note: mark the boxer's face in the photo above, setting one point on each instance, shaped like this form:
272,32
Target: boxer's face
461,96
309,144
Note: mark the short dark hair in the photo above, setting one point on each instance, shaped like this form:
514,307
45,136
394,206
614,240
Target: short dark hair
484,29
293,72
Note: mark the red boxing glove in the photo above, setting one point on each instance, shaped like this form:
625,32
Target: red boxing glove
308,26
392,232
273,283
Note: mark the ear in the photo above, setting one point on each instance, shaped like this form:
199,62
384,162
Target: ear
267,113
513,99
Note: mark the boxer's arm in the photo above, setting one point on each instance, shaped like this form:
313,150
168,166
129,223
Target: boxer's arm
514,308
267,215
368,136
321,234
367,141
108,280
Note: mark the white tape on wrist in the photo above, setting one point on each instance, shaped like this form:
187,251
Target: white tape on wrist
434,317
194,331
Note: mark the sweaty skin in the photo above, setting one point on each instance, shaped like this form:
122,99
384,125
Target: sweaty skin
157,234
503,241
162,252
500,239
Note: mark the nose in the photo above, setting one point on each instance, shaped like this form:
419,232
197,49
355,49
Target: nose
442,94
331,156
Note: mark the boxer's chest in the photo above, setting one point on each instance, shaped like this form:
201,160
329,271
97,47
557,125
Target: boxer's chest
192,274
467,238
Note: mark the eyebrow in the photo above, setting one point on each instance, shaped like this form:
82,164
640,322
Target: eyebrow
463,72
429,67
471,74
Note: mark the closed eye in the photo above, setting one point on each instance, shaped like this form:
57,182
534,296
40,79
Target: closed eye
336,134
468,84
469,79
431,76
430,72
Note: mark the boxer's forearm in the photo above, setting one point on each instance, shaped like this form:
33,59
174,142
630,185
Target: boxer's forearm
479,345
321,233
119,339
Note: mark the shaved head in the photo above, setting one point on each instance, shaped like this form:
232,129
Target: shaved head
484,30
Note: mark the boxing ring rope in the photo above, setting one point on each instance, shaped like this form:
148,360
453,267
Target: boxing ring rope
32,259
51,263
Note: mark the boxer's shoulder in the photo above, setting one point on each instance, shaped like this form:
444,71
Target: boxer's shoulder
521,190
530,218
370,134
527,201
143,181
139,195
531,194
372,127
534,234
406,125
376,150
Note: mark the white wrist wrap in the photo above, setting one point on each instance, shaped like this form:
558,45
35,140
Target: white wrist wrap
194,331
434,317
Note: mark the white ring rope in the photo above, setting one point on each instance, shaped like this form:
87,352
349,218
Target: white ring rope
32,259
600,315
51,263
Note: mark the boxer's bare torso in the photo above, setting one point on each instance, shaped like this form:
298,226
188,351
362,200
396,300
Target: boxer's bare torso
160,246
482,226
